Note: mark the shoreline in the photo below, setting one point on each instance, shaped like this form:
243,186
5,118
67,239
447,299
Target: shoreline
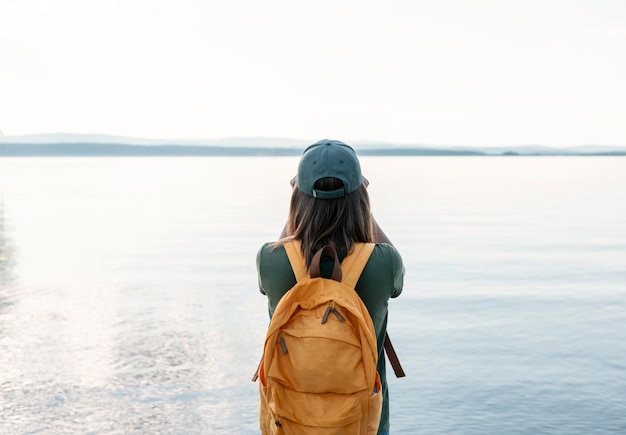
129,150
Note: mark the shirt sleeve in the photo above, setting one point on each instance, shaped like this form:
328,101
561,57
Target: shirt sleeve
398,273
259,260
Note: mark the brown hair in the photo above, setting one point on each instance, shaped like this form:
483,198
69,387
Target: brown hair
338,222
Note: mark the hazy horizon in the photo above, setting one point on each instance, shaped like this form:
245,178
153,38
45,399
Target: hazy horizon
268,142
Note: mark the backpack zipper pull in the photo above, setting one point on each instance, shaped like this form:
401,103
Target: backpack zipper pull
331,308
326,313
281,340
339,316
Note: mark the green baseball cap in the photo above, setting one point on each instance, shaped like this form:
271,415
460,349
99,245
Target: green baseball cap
329,158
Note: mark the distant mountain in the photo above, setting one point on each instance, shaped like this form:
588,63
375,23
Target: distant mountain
71,138
107,149
587,149
66,144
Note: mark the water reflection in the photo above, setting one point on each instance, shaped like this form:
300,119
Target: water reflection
134,308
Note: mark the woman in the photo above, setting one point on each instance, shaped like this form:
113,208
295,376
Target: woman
330,206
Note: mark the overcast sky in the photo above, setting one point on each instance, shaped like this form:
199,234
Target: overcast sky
549,72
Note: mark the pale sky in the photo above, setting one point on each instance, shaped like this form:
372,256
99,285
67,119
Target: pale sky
550,72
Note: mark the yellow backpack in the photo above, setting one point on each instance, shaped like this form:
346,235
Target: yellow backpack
318,371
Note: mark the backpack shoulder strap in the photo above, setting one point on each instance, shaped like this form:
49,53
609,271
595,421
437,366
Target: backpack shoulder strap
353,265
352,268
292,248
294,253
393,357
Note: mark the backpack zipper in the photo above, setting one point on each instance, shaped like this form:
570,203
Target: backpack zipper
331,309
281,340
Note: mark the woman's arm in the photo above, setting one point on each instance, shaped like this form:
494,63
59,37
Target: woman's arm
381,237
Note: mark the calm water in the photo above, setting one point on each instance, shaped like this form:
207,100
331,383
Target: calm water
129,303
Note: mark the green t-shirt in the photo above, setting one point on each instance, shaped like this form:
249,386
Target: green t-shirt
381,279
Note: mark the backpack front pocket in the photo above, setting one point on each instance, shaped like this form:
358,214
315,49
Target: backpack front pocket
326,414
308,361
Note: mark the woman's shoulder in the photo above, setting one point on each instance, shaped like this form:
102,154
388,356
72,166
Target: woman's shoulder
385,264
274,270
383,253
386,252
271,254
271,249
268,247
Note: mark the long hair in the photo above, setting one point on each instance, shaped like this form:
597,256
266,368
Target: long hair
338,222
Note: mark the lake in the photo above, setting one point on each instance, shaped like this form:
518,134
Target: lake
129,301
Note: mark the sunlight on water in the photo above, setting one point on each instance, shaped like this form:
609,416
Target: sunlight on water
129,301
